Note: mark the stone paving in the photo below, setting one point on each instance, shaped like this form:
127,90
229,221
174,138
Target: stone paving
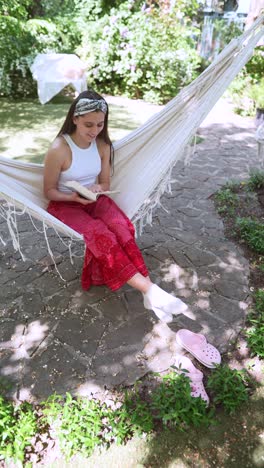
56,337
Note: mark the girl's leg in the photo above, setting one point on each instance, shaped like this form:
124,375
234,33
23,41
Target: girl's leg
106,262
117,222
140,282
163,304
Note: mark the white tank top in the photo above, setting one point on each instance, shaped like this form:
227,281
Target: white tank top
85,166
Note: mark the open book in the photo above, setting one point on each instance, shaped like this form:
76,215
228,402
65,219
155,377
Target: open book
85,192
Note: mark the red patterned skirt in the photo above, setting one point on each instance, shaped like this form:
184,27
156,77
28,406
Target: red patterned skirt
111,256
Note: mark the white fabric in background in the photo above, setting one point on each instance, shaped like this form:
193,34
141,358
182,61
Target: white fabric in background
55,71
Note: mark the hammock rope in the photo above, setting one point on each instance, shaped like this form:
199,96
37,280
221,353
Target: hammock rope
144,158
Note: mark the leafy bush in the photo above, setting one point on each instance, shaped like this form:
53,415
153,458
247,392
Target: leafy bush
78,423
256,180
173,404
244,89
226,201
260,301
257,94
82,424
255,333
17,427
252,232
226,31
140,52
228,387
70,32
50,8
255,66
44,32
16,8
15,50
239,93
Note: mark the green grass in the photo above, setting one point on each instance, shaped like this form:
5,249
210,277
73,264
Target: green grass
27,127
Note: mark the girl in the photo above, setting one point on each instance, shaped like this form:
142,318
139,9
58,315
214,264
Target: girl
82,151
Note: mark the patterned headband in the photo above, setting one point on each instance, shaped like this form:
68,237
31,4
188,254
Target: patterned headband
86,105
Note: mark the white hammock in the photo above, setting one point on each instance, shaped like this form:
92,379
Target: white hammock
144,158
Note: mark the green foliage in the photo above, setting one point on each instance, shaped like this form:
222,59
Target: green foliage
239,93
14,57
140,52
246,90
255,334
70,32
226,31
233,185
255,66
252,232
133,417
83,424
78,423
191,9
256,180
94,9
173,404
16,8
51,8
17,427
259,297
257,94
229,387
139,412
44,32
226,201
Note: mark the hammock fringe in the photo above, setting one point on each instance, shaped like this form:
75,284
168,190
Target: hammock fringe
9,213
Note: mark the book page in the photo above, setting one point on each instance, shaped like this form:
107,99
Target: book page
85,192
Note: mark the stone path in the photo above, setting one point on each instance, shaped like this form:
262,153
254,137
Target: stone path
56,337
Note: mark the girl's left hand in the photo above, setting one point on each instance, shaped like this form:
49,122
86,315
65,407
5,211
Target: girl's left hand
96,188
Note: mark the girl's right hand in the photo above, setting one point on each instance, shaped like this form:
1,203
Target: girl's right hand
76,198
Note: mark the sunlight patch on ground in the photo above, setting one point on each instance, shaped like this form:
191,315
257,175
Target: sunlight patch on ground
181,278
23,342
25,144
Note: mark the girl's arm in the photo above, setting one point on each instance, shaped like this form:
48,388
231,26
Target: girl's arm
104,176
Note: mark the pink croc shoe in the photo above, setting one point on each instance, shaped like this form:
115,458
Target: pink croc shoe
197,345
185,366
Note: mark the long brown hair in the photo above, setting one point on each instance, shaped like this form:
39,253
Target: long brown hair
69,126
